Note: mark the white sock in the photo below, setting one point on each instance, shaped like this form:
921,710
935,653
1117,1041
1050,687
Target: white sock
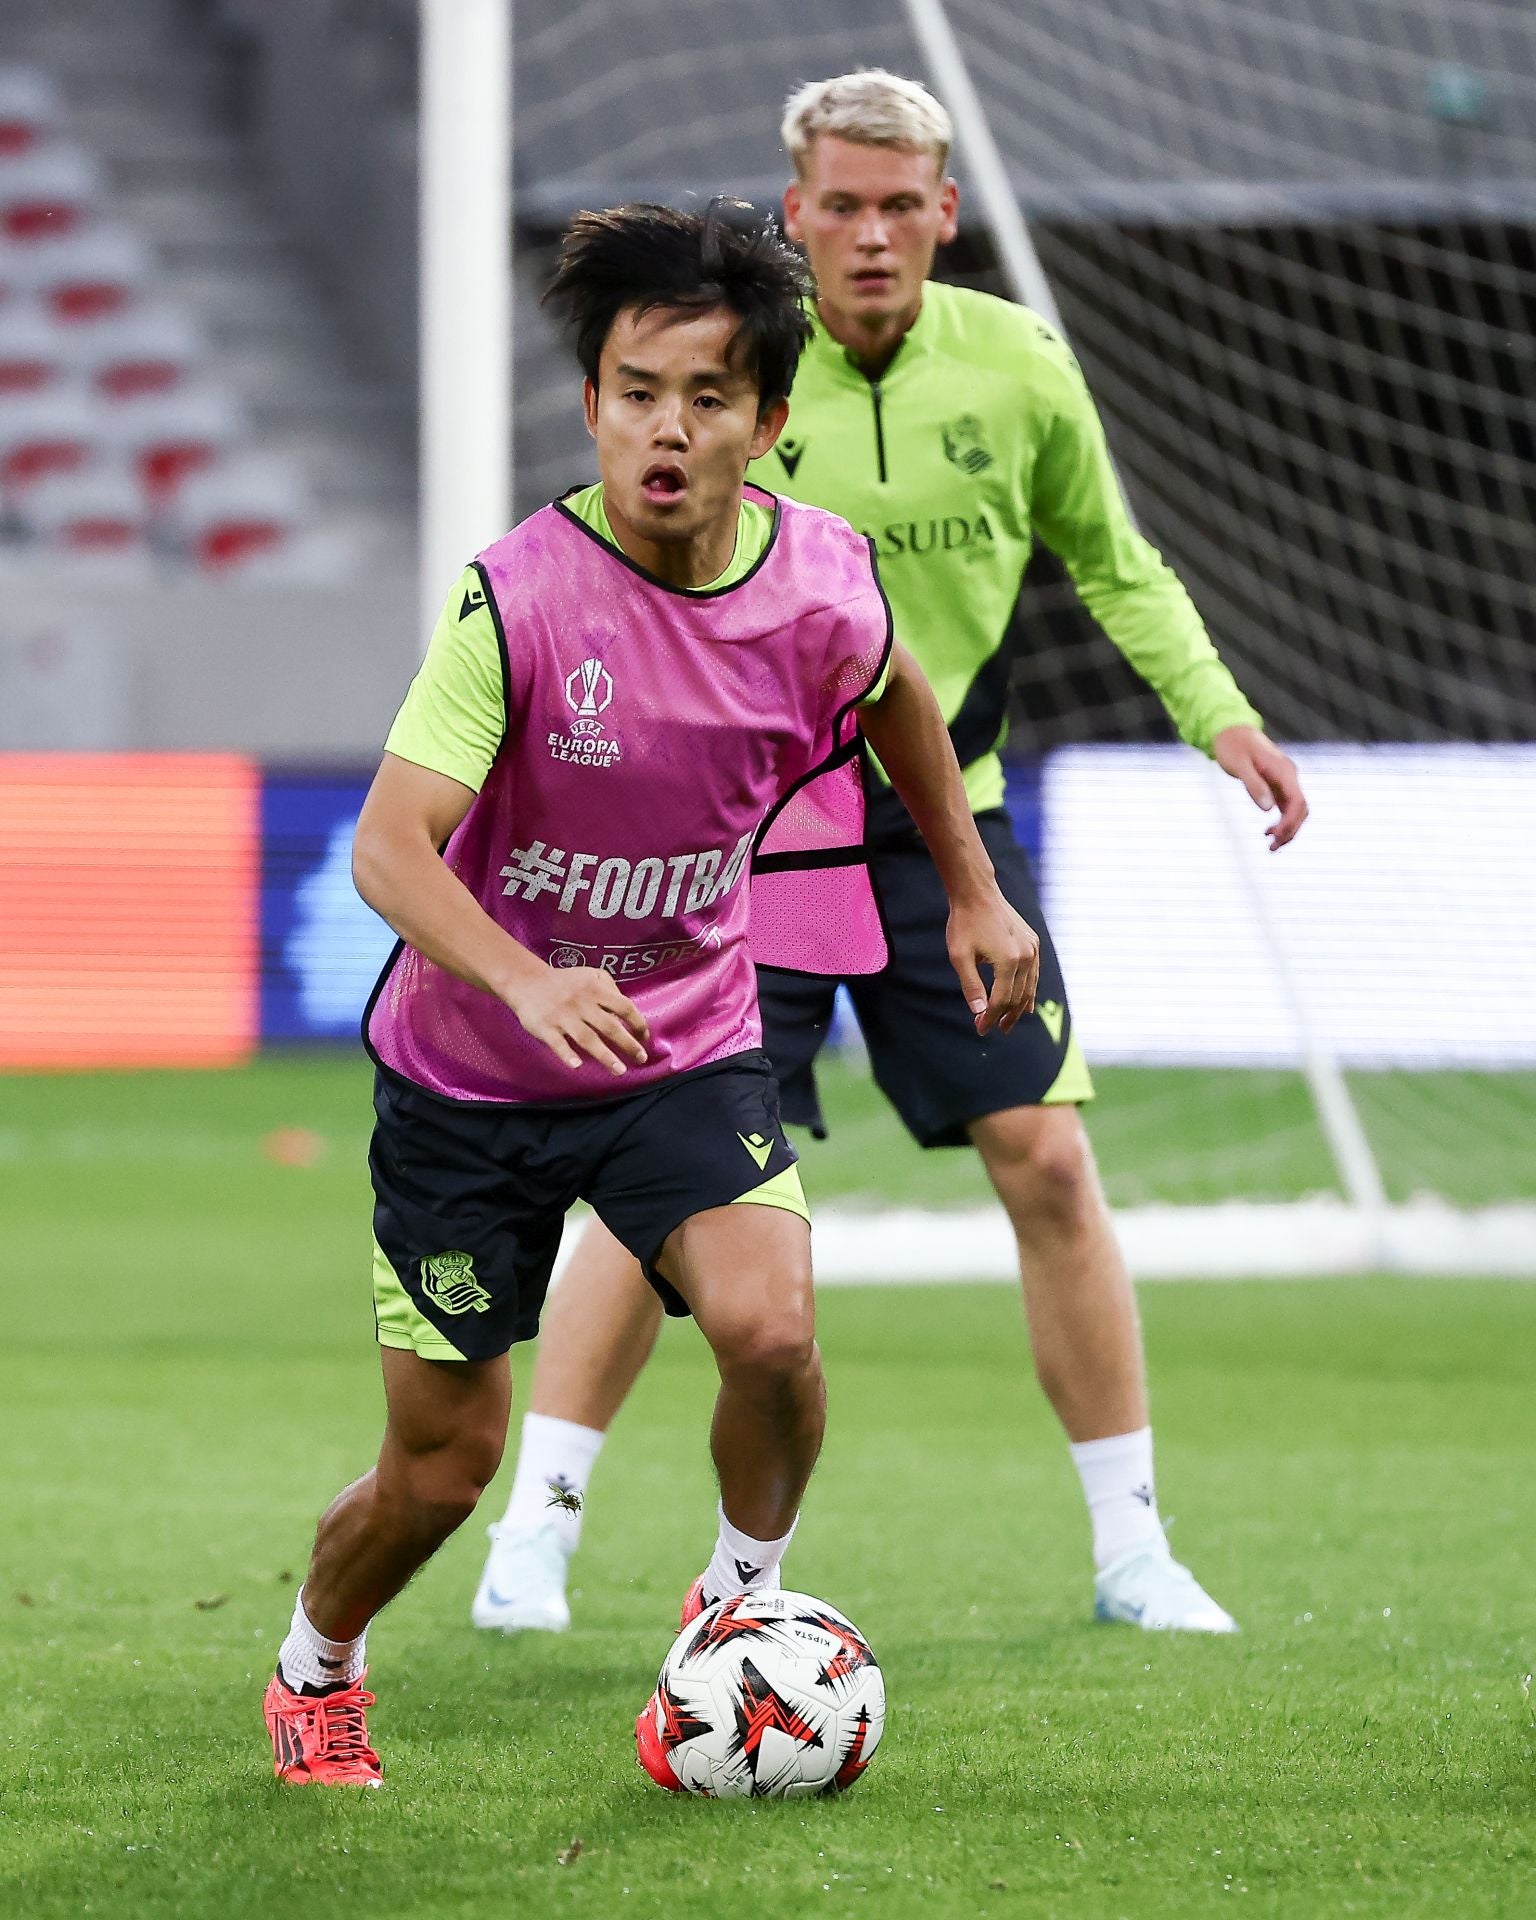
1122,1496
307,1659
552,1453
741,1564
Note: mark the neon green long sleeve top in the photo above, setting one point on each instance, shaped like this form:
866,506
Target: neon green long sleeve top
979,438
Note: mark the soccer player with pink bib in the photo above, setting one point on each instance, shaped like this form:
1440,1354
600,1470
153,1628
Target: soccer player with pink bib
686,664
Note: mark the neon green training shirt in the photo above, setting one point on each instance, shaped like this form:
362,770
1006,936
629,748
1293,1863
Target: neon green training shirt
454,714
979,437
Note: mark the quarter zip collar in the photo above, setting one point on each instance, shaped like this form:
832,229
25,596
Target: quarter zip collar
836,358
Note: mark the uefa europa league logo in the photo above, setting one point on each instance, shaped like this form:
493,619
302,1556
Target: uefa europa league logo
589,690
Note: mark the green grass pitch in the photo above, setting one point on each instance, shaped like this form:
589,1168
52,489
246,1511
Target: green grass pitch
187,1378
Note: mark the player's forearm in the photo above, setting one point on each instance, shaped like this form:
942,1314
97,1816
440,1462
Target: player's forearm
908,734
402,877
1154,623
1125,583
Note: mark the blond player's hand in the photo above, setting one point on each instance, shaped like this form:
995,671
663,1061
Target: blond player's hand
989,932
579,1010
1268,775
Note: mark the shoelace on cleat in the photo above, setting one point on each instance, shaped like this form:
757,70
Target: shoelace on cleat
342,1730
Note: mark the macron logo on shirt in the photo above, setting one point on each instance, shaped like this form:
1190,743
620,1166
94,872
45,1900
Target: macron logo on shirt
603,886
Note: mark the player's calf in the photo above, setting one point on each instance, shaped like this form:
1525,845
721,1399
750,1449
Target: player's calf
745,1272
442,1443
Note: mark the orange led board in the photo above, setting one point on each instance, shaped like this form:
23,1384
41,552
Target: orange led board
128,909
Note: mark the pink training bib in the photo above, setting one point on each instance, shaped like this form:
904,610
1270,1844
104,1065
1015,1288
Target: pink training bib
660,744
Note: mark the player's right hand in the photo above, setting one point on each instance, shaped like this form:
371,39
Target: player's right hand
579,1010
989,932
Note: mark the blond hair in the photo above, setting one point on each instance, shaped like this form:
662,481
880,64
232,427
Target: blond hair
872,108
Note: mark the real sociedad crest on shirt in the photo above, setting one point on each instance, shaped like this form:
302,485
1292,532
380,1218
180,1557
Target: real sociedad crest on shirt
588,694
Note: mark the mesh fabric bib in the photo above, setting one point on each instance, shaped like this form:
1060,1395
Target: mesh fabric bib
677,796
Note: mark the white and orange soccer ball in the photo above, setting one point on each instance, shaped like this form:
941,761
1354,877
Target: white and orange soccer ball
764,1696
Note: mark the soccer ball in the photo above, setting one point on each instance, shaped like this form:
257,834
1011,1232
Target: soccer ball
763,1696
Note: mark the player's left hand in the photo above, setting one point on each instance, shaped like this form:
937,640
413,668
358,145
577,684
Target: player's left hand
1269,775
988,932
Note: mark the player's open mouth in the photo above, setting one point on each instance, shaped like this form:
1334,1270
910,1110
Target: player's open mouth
662,483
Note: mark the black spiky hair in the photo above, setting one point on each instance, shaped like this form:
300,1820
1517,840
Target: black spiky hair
642,257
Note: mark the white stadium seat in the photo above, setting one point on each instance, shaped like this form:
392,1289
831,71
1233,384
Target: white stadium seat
58,430
98,512
31,108
18,271
147,347
170,436
80,276
241,513
34,348
48,190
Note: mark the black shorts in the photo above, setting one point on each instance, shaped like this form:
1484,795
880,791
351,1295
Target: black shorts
470,1200
923,1047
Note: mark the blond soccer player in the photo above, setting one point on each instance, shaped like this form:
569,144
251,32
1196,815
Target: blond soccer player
956,429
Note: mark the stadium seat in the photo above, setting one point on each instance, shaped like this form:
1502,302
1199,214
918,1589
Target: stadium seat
34,350
31,109
145,348
48,190
241,513
18,271
170,436
80,276
98,513
57,430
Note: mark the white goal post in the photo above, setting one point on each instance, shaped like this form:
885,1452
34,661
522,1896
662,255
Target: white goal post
1346,1137
465,249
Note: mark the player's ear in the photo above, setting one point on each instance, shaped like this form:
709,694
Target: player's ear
792,206
589,405
949,210
770,424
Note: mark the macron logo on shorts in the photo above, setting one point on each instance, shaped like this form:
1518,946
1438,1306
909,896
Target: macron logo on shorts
604,886
757,1146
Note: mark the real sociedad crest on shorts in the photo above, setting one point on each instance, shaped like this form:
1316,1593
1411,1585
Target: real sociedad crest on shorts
588,694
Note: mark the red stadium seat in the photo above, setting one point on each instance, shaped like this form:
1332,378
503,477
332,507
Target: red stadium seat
31,109
145,348
170,436
241,513
48,190
34,349
55,431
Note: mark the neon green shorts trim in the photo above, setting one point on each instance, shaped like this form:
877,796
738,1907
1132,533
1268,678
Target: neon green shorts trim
782,1190
1073,1084
400,1322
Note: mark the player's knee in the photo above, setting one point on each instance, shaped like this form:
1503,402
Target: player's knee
777,1345
444,1485
1045,1171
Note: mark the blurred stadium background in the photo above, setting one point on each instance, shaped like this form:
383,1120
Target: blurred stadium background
1294,245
